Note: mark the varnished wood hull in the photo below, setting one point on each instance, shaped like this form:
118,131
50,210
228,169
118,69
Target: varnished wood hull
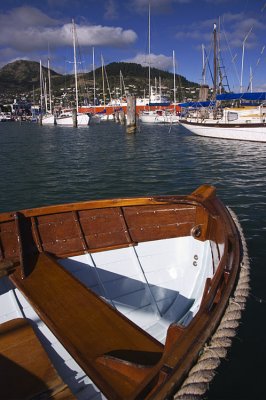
132,288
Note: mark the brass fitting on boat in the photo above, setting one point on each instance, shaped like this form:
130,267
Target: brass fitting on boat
196,231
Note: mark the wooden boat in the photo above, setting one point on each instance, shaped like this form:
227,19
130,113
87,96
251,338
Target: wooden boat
112,298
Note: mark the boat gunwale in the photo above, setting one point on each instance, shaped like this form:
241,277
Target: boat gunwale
223,124
105,203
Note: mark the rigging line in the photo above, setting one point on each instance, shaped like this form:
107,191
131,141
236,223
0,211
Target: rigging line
82,77
231,55
81,82
207,57
223,75
221,66
262,10
208,63
262,50
107,81
257,64
181,93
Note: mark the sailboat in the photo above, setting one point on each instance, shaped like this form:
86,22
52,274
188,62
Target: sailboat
239,121
95,118
67,117
157,115
48,118
104,116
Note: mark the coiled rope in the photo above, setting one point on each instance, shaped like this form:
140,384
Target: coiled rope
197,382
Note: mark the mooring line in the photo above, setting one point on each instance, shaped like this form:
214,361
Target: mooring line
197,383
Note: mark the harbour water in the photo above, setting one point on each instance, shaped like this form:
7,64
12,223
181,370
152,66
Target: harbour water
42,165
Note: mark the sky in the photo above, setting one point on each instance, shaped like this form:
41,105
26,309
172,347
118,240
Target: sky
118,32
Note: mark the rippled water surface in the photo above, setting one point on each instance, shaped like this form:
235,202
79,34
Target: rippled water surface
49,165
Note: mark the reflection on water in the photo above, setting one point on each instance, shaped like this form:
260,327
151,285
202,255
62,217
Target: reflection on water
48,165
42,165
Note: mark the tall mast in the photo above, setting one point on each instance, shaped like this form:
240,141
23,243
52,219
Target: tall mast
49,85
214,61
250,79
93,70
242,62
121,84
41,85
45,95
103,80
174,76
203,65
75,62
149,39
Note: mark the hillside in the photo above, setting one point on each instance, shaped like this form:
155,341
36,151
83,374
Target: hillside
22,78
22,74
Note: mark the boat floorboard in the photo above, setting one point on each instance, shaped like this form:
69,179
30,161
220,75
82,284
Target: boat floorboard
25,368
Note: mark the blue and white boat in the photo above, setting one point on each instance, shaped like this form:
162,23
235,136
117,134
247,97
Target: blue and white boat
243,117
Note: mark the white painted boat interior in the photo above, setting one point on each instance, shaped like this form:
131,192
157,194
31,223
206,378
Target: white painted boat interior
153,284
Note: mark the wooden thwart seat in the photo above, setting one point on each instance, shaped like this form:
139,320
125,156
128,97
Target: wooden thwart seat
114,352
25,369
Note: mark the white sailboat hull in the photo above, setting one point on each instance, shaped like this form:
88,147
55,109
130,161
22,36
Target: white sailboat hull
250,132
82,120
154,117
48,120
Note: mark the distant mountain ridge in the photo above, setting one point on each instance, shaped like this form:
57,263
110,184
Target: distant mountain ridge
23,76
22,70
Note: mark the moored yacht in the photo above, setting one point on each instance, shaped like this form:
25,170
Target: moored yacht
241,122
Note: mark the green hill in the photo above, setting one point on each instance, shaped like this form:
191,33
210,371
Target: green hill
22,78
21,74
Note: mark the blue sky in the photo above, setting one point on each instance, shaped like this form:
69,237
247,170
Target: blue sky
118,30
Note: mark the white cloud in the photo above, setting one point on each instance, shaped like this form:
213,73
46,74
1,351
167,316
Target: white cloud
27,29
156,60
105,35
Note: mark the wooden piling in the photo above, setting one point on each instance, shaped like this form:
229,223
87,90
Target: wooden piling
122,117
131,113
116,116
75,118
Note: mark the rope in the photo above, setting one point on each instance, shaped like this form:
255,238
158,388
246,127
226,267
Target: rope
197,382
